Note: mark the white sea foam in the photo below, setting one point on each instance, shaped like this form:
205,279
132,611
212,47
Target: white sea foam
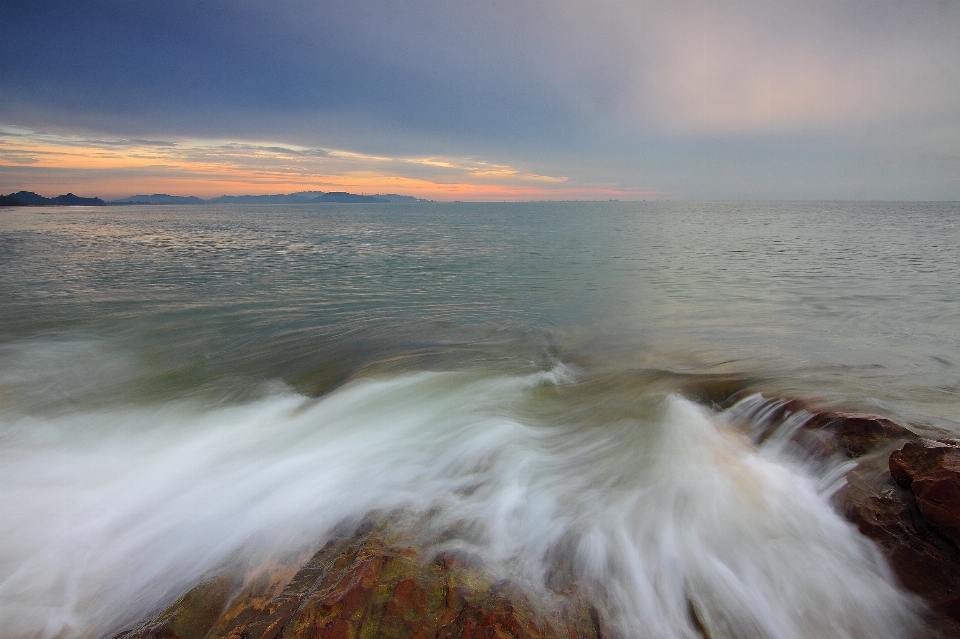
110,513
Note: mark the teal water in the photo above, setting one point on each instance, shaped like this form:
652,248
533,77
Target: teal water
856,303
175,380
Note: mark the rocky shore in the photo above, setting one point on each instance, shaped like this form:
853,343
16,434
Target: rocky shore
375,580
903,493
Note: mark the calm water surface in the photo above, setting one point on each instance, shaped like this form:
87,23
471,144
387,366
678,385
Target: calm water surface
175,380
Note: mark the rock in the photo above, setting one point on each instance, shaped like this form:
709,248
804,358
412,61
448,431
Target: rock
924,562
378,581
914,520
908,502
854,435
368,585
818,434
931,471
195,613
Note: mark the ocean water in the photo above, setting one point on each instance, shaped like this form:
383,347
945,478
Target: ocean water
183,388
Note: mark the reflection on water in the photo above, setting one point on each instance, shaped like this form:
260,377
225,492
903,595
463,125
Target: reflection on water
184,387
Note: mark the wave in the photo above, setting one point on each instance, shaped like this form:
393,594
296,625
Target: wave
113,511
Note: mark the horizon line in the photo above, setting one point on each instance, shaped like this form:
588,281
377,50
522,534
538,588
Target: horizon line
207,201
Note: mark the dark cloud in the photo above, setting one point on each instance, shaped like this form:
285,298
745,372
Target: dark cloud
217,67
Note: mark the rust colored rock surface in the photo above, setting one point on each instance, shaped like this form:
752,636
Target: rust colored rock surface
931,471
914,520
367,586
924,561
854,435
909,504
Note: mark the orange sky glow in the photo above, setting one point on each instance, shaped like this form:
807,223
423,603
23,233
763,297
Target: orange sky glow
51,164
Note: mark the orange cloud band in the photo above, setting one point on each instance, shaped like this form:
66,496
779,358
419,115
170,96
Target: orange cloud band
117,168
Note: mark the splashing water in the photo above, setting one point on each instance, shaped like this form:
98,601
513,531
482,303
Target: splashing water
111,512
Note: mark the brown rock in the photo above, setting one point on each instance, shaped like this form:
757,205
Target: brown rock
194,614
369,585
931,471
855,435
823,434
914,520
374,582
924,561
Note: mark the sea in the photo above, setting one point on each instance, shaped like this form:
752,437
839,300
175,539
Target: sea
188,388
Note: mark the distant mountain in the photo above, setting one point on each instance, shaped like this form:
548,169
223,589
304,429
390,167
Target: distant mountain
160,198
393,197
293,198
75,200
342,197
29,198
301,197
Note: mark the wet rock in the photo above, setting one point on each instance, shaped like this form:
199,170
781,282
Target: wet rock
194,614
853,435
375,582
818,434
369,585
931,471
924,561
903,493
908,502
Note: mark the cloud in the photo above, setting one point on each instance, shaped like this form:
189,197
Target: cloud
607,91
207,167
797,66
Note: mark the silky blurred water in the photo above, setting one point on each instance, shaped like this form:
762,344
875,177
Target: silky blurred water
180,383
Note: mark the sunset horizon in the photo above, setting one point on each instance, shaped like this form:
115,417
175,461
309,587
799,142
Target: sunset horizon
540,100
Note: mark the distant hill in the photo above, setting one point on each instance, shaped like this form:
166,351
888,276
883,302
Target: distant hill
392,197
342,197
29,198
160,198
293,198
302,197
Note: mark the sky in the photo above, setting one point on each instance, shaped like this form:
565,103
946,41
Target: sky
483,99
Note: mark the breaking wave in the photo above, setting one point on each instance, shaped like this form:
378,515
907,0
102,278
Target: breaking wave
112,511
